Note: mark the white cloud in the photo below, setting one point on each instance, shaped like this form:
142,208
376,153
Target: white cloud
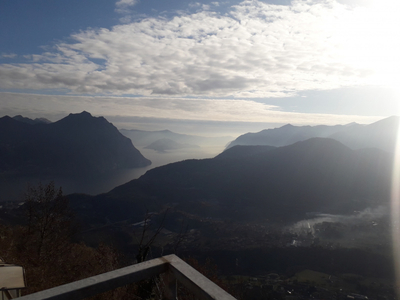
259,50
123,7
195,4
8,55
125,19
125,3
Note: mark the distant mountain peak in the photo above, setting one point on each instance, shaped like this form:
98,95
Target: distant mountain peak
79,119
26,120
83,114
380,134
78,143
351,124
43,120
388,120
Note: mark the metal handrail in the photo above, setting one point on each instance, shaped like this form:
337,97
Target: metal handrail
194,281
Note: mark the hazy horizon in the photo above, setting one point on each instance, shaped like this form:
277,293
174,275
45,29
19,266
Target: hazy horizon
198,127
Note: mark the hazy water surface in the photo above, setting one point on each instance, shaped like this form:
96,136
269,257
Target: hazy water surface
13,189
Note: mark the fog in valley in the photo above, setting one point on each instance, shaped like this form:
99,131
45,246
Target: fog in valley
370,228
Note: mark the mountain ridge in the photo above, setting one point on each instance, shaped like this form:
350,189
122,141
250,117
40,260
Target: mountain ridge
31,121
281,183
381,134
76,143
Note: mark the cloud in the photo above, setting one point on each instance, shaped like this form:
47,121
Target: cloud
123,7
8,55
258,50
126,3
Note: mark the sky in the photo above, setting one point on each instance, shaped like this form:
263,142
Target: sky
206,67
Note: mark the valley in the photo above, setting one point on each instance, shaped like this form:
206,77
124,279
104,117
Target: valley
315,213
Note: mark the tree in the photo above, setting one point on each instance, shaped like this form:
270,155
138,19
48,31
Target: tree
50,222
144,246
43,245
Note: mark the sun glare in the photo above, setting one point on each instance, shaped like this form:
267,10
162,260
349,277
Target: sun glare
386,64
386,51
395,212
368,40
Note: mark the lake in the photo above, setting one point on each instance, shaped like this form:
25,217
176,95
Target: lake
14,188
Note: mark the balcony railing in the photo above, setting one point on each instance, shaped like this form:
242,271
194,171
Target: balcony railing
196,283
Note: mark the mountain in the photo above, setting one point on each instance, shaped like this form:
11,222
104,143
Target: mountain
163,145
381,135
30,121
76,144
238,152
145,138
248,183
288,134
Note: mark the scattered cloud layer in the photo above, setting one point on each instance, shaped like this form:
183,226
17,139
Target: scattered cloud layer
124,7
257,50
8,55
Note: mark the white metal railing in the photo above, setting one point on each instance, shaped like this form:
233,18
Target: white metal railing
195,282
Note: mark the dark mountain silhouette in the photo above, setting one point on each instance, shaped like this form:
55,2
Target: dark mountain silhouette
78,143
288,134
163,145
242,152
30,121
381,135
247,183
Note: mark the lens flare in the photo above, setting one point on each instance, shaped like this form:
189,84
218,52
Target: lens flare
395,212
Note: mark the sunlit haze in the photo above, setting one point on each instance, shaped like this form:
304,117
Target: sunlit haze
192,127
